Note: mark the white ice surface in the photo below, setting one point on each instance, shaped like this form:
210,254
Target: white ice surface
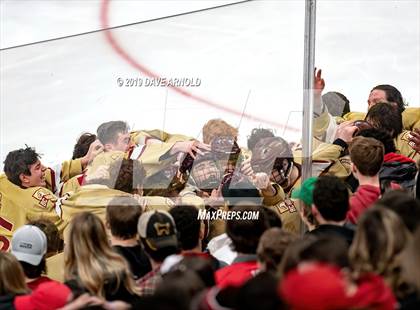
53,91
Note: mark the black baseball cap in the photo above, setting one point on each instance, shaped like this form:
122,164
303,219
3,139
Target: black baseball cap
158,229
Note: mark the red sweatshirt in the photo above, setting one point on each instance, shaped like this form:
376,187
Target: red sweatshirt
373,293
362,199
392,157
236,274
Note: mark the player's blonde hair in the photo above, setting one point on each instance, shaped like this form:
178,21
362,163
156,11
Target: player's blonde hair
217,127
89,258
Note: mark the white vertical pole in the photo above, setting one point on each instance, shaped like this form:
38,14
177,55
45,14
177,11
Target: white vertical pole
308,95
308,82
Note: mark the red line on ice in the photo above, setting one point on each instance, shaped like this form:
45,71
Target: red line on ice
147,72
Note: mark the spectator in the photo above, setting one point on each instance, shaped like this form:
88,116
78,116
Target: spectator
122,216
316,286
29,245
405,206
396,168
271,248
12,280
411,272
245,235
54,256
158,235
202,266
329,200
190,228
260,293
51,295
291,256
367,156
221,246
92,266
54,242
180,286
273,218
328,249
236,189
191,233
380,240
216,298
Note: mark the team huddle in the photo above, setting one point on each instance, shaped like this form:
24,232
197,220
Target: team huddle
132,198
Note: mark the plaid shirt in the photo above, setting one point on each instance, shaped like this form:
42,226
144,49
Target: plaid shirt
149,282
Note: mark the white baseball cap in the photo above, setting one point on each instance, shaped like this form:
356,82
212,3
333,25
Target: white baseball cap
29,244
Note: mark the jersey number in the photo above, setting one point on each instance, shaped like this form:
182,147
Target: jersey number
4,242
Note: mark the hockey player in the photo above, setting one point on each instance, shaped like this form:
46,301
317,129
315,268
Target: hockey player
275,157
155,149
123,178
325,124
27,188
23,192
385,117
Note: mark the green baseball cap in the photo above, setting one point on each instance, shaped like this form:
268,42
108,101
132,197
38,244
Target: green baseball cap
305,191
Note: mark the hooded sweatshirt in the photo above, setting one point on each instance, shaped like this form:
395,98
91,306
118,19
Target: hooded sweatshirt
363,198
396,168
399,169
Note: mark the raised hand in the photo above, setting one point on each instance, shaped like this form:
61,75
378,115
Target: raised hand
191,147
94,149
414,140
261,180
345,131
246,168
319,83
215,200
